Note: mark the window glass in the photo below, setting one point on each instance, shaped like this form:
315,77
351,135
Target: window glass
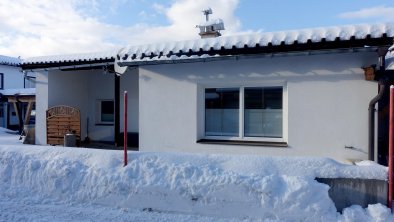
263,114
222,112
107,111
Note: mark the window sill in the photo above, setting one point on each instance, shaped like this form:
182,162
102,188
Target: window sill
243,142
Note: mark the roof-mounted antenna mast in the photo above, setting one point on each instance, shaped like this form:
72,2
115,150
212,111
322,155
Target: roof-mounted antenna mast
210,29
207,12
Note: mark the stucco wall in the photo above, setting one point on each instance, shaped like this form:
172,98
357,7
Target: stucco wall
326,103
13,78
129,83
41,106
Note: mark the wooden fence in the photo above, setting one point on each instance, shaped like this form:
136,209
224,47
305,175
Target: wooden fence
60,121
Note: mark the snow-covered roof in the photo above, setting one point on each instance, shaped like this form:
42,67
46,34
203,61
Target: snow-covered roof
19,92
82,57
218,47
10,61
186,49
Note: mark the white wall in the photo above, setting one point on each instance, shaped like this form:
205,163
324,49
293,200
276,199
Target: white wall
82,89
13,77
101,87
129,83
327,103
41,106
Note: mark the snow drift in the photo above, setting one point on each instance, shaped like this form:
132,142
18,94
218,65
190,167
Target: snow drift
244,187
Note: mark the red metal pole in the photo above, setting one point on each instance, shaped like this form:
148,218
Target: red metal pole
391,131
125,128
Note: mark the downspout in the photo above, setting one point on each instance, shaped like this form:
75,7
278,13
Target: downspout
371,120
382,51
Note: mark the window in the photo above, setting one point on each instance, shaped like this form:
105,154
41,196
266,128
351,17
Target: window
263,112
105,112
247,113
221,112
1,81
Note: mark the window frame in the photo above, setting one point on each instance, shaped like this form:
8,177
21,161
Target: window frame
241,132
99,112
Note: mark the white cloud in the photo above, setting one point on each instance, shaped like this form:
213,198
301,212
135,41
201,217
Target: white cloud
380,12
45,27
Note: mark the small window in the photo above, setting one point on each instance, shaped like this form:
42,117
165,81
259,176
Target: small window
1,81
105,112
244,113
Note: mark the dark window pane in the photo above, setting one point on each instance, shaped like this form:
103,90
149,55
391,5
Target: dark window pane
263,112
107,111
221,111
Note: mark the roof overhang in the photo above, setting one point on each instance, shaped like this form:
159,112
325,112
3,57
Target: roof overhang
310,48
328,39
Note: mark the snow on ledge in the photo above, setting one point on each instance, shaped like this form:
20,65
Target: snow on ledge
20,92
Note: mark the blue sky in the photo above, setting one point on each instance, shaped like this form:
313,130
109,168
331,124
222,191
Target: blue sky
44,27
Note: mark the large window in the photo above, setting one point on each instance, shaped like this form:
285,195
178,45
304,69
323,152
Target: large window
244,112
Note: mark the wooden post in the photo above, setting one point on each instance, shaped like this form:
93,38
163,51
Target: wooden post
19,115
28,112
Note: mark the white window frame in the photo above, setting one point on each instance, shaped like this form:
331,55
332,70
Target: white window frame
241,136
98,112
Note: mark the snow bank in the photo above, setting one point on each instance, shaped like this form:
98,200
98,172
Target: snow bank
206,187
278,189
153,181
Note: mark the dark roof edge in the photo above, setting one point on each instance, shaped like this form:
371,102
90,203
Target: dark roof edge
47,65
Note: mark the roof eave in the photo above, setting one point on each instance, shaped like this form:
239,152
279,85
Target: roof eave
309,47
67,64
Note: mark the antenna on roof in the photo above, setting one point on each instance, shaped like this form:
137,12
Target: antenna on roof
207,12
210,29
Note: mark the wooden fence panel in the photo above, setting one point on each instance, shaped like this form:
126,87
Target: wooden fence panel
60,121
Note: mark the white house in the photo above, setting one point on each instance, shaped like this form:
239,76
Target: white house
13,82
301,92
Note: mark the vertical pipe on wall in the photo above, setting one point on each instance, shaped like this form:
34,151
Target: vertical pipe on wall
125,128
371,120
391,140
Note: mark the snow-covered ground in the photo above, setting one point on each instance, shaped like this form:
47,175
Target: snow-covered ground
42,183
